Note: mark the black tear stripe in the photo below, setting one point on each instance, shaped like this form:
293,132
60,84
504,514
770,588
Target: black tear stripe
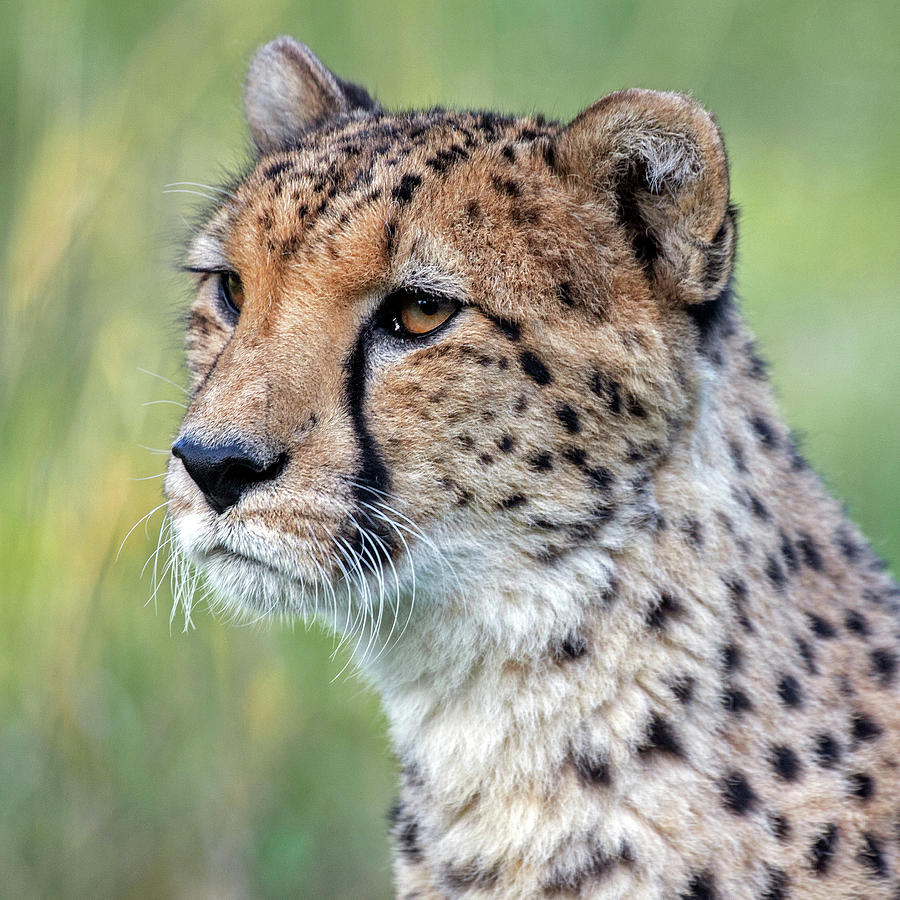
372,479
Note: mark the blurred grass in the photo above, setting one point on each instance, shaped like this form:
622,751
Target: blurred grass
135,762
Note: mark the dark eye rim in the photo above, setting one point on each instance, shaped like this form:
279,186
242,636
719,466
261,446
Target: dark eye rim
225,296
387,318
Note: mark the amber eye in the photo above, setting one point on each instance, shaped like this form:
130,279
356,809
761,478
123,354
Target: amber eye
232,291
414,314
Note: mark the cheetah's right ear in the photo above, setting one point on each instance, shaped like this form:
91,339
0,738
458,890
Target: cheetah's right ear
660,158
289,92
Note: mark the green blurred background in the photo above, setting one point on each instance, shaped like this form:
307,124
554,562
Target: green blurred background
139,761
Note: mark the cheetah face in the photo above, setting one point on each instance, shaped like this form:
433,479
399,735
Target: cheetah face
438,340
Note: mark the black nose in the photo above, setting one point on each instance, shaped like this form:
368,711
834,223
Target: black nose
224,471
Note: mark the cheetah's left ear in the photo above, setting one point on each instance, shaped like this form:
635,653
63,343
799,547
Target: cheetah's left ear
289,91
661,159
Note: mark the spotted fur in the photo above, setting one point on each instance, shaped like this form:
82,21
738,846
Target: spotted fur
627,643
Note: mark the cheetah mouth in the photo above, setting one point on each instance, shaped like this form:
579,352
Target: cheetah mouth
242,583
245,572
226,555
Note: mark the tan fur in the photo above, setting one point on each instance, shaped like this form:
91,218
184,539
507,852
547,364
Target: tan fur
627,643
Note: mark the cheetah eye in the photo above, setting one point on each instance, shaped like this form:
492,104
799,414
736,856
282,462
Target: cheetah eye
231,291
413,314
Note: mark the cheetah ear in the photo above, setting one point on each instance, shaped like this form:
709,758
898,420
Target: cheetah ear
289,92
661,158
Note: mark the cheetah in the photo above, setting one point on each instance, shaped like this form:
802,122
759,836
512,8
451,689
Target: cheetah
475,391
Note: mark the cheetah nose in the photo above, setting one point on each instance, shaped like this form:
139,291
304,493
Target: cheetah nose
225,471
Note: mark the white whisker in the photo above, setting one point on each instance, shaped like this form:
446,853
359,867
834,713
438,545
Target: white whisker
164,403
159,450
209,197
207,187
184,391
143,518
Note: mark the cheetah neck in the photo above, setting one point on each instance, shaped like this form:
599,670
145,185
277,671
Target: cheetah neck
549,749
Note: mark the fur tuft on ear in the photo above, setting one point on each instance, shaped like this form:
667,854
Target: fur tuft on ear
659,157
289,92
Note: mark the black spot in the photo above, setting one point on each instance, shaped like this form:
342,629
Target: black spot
736,701
738,592
823,849
871,855
636,407
702,886
806,654
541,462
862,785
777,885
575,455
683,689
827,750
660,738
550,155
663,608
790,692
764,432
756,367
810,552
510,329
601,478
694,531
821,627
737,589
470,875
506,444
798,463
775,573
473,210
508,153
737,795
564,293
737,456
598,864
731,655
573,647
884,665
533,366
854,621
758,507
592,769
864,727
845,685
514,501
486,459
276,168
405,830
506,186
404,191
847,545
789,554
781,827
568,417
785,763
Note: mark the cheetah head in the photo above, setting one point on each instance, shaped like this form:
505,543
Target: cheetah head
426,347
